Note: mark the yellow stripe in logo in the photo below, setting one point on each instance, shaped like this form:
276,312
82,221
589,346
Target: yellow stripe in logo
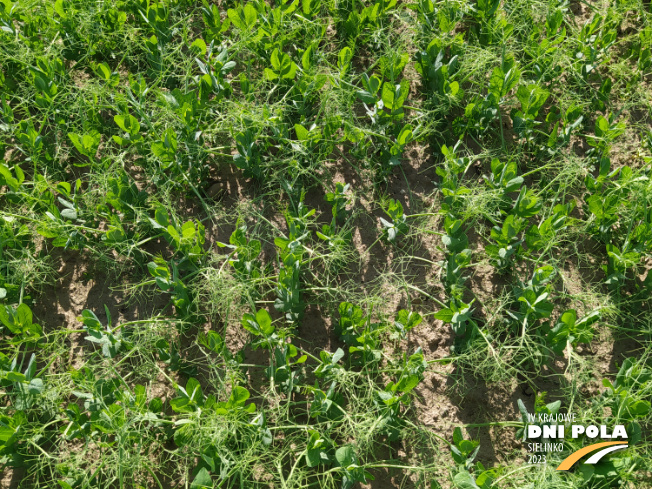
575,456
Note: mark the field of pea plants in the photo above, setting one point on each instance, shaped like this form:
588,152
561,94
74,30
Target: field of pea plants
323,243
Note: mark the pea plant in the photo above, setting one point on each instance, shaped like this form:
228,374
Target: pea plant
281,244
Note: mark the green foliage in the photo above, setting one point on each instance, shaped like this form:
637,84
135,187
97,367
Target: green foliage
570,330
19,323
480,113
606,130
468,474
259,325
244,17
187,238
130,125
282,67
438,77
86,144
452,173
543,46
352,472
504,177
291,251
405,321
110,339
170,281
245,252
625,394
247,157
543,235
398,224
594,41
137,135
507,241
458,314
532,98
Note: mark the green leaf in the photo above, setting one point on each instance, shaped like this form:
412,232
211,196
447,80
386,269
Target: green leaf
282,66
568,318
503,81
406,384
199,46
387,95
12,183
445,315
394,96
345,456
104,72
313,457
311,7
601,126
90,320
202,480
405,136
457,436
344,59
181,405
161,218
639,408
213,341
270,74
306,58
127,123
58,8
259,324
35,386
184,434
371,85
485,479
464,480
194,391
543,275
188,230
302,132
243,18
24,315
265,322
15,377
69,214
239,396
532,98
315,449
86,144
165,150
408,320
527,204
